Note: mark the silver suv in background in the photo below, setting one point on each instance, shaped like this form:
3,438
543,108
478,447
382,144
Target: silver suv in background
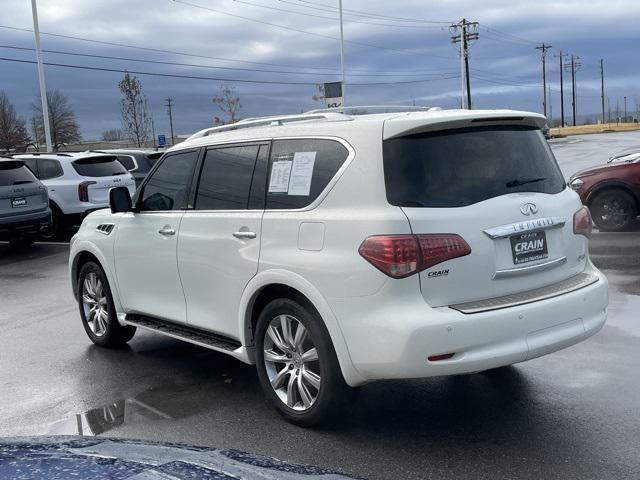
138,161
77,183
24,203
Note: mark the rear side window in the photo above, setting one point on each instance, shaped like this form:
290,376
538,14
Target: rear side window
48,169
15,173
127,161
168,187
454,168
225,179
99,167
299,170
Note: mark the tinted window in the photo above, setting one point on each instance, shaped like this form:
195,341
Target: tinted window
48,169
99,167
127,161
460,167
167,188
225,180
15,173
31,164
323,158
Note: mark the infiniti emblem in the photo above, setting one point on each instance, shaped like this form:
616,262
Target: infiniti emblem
528,209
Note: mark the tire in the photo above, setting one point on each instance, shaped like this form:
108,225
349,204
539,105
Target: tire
307,392
54,230
21,242
613,210
97,310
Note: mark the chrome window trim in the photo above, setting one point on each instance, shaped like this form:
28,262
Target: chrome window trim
509,229
540,267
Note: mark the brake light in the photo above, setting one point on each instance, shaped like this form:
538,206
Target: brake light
83,191
582,223
400,256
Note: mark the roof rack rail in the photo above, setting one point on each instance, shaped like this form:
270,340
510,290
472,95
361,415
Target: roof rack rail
273,121
371,109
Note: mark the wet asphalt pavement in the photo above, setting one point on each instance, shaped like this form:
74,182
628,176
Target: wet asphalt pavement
574,414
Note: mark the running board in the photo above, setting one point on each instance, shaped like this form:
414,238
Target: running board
193,335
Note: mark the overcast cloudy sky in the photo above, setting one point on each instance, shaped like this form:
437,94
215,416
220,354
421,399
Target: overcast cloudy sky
384,51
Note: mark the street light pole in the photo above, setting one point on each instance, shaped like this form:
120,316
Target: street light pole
344,96
43,87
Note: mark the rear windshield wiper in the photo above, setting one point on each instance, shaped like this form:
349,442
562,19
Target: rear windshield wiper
118,173
523,181
20,182
412,203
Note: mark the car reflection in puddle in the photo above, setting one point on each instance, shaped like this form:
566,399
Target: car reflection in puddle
100,420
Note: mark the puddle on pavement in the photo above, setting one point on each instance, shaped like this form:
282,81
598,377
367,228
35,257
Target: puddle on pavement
100,420
168,402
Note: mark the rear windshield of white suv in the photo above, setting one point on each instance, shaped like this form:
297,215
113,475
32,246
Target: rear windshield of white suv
454,168
99,167
14,173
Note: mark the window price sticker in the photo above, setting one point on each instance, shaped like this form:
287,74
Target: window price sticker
280,174
302,173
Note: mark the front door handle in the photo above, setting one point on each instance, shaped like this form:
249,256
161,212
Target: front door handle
167,231
244,234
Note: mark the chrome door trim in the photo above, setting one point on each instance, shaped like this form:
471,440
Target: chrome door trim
540,267
545,223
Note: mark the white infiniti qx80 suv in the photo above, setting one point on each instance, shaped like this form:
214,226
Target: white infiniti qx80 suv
332,249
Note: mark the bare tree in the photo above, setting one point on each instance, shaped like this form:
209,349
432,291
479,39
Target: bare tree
62,120
228,102
113,135
136,121
13,131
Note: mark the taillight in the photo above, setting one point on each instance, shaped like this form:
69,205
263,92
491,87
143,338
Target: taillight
83,191
582,224
402,255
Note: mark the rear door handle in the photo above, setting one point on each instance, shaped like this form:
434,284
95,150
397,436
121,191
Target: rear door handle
244,234
167,231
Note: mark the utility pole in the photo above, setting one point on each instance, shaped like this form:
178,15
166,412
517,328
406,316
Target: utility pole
550,108
543,50
602,86
153,132
625,110
169,105
561,56
468,32
574,65
344,97
43,87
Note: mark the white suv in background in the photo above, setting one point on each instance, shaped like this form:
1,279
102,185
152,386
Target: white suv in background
333,249
78,183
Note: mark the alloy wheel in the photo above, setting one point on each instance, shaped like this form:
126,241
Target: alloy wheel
291,362
614,210
94,303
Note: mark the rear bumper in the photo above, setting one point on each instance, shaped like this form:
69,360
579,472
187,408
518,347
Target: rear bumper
394,340
28,224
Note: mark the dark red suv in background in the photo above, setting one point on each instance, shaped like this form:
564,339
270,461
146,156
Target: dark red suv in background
612,193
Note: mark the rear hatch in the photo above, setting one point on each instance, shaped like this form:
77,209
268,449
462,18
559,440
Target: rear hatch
20,190
101,173
498,186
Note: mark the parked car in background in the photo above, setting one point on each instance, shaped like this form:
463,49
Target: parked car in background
138,162
611,191
333,249
24,203
627,157
77,183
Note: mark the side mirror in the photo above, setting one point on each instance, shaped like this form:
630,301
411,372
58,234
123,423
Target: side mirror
119,200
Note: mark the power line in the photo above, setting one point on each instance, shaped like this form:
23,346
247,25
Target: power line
161,62
298,30
328,18
193,77
378,15
158,50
